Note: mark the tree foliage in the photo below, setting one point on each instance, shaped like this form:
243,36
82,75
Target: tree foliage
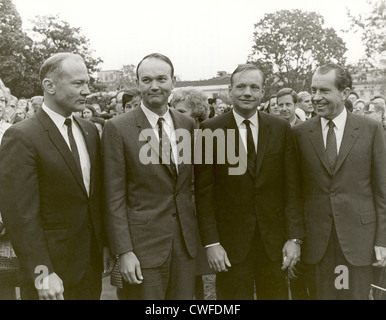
21,56
372,25
290,44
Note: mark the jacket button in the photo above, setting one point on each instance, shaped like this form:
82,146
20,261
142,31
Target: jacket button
90,226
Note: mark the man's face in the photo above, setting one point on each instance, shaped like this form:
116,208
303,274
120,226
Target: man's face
327,99
246,92
155,83
22,104
286,107
359,108
379,103
71,89
306,104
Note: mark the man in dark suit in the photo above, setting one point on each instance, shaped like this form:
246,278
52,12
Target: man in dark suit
286,101
249,221
342,158
50,188
150,214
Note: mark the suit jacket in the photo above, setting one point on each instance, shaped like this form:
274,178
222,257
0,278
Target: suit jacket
229,207
144,199
45,207
353,197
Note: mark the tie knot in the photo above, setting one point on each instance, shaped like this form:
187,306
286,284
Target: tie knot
68,122
247,123
331,124
160,121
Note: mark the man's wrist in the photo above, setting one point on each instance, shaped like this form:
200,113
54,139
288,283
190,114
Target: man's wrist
299,242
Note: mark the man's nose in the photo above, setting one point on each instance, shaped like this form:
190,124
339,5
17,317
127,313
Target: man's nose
85,91
154,85
247,91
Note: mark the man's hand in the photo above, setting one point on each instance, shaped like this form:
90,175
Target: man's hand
380,255
130,268
52,288
108,261
291,255
217,258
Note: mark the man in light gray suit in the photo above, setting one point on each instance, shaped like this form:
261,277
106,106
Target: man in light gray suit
150,215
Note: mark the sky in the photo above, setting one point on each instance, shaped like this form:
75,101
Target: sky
201,37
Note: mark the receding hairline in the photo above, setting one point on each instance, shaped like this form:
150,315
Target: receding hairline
247,68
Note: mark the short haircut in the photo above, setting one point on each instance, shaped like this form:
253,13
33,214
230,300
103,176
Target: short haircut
158,56
52,66
247,67
286,92
130,94
343,78
354,93
380,96
38,98
302,95
359,101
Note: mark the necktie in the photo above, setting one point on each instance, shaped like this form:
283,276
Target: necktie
331,148
165,147
251,152
74,148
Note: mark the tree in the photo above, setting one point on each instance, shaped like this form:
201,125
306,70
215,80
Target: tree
290,44
18,68
56,35
372,25
126,78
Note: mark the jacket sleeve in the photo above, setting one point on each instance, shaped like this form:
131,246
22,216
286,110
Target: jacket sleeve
19,201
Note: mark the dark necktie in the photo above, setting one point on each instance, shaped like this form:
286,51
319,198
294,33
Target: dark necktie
331,147
251,152
165,147
74,148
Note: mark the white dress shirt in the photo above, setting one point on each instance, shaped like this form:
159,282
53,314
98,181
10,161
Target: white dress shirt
340,123
254,124
152,117
79,139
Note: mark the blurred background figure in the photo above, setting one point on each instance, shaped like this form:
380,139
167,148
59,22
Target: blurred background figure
375,109
353,96
131,99
220,109
272,106
36,103
89,113
3,105
359,106
348,105
192,102
305,108
287,99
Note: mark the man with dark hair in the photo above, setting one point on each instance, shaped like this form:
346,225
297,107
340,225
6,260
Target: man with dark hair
150,215
50,189
286,101
250,223
353,96
342,158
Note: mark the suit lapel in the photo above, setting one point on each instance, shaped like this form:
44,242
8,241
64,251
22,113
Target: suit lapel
316,138
264,133
61,145
350,135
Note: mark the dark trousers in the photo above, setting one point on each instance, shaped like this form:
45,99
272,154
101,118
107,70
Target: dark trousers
173,280
256,269
324,276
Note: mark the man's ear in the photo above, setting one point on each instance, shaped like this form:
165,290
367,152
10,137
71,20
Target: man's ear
174,81
346,93
49,85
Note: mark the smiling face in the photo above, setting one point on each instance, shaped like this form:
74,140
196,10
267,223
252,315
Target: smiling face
328,100
155,82
286,107
246,92
70,89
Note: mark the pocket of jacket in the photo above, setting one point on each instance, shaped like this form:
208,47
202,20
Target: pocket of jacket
138,219
368,217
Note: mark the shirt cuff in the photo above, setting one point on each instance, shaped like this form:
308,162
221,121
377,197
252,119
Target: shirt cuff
212,245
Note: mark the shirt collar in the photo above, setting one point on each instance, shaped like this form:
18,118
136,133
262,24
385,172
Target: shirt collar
57,118
239,119
339,121
153,117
